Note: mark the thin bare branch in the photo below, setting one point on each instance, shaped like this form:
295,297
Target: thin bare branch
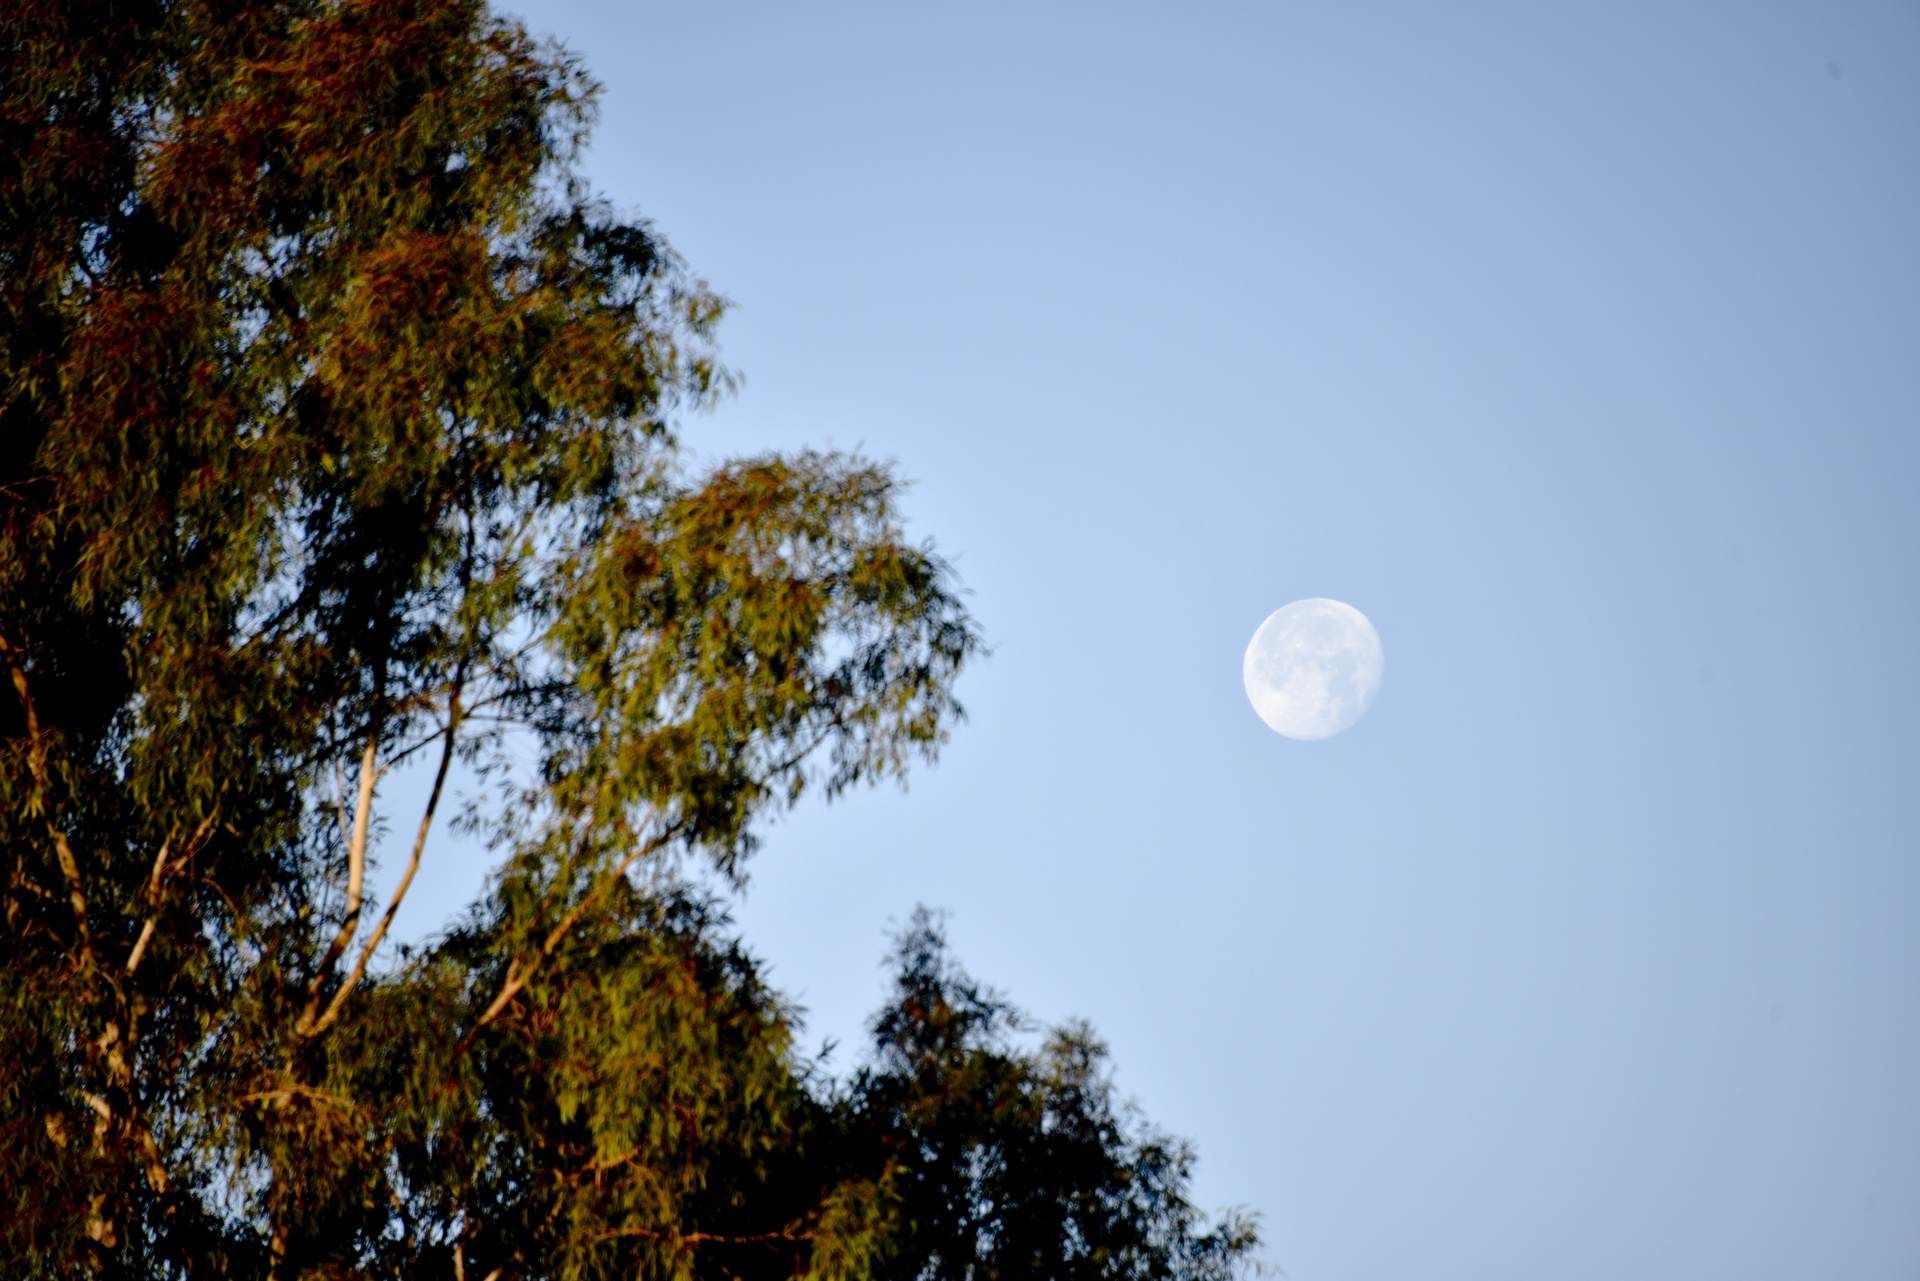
356,881
76,893
63,851
154,881
518,974
326,1020
340,804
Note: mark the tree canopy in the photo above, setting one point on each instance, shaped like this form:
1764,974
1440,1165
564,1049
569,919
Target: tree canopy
338,436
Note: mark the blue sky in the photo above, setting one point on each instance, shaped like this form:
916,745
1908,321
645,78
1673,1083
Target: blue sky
1579,347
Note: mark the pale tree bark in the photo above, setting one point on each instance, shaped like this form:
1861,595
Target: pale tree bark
449,738
356,881
116,1117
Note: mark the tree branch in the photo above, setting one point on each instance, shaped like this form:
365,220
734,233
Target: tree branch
76,893
517,974
332,1013
153,889
702,1238
340,805
37,765
356,881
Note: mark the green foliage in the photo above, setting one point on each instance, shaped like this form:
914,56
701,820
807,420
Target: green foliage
1007,1162
337,434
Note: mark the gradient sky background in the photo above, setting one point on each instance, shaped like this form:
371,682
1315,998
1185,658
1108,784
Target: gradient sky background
1579,347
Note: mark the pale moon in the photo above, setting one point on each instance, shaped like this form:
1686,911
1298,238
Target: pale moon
1313,668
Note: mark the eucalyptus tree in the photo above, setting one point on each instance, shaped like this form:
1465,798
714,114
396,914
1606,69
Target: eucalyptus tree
1006,1158
337,436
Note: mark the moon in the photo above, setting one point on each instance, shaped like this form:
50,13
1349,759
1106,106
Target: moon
1313,668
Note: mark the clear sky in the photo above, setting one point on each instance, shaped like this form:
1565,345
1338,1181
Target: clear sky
1576,345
